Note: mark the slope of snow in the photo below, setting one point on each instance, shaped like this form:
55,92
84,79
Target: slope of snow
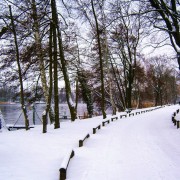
146,146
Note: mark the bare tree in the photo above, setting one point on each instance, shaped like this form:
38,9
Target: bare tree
125,35
55,62
19,70
161,80
165,16
98,32
64,65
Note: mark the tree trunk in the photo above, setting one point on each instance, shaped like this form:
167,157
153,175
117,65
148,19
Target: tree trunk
86,93
77,80
67,82
19,72
156,98
56,95
40,57
100,61
129,88
44,115
109,75
118,85
64,68
77,94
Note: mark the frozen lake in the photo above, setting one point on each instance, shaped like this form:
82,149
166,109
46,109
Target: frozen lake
12,113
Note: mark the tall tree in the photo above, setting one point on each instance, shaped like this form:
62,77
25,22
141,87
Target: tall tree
55,63
126,34
64,65
19,70
161,78
98,32
39,50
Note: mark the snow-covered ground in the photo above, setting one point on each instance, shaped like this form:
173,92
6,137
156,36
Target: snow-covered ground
141,147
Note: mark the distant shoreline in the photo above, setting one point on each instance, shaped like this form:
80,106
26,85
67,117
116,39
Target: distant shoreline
1,102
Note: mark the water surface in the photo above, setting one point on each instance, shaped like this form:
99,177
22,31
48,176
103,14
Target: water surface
12,113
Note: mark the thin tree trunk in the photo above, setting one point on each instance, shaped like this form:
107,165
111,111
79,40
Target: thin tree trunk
100,61
56,96
19,72
44,116
109,76
67,81
111,97
129,88
77,94
118,86
77,80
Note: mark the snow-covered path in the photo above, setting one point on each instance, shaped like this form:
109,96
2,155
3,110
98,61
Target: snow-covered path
144,147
